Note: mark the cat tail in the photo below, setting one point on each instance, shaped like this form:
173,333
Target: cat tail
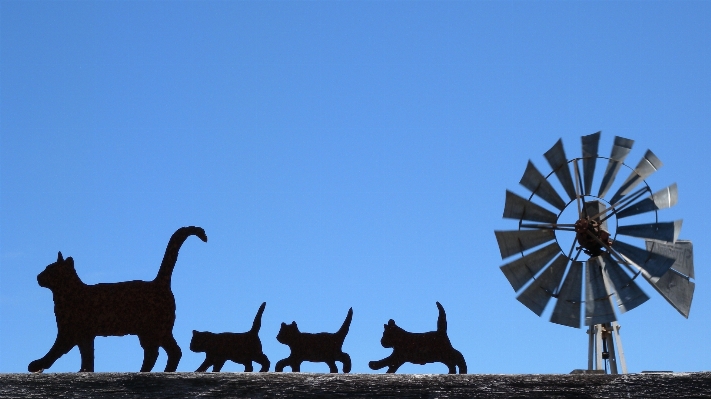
441,320
257,324
343,331
171,252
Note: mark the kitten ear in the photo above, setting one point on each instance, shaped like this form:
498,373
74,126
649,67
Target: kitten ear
59,257
194,332
391,322
69,261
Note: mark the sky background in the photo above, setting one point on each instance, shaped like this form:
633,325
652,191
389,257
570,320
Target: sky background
337,154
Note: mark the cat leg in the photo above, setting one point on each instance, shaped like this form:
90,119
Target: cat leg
332,366
378,364
393,367
281,364
296,366
248,368
262,360
218,365
86,349
150,353
204,366
346,360
60,347
451,366
461,363
174,354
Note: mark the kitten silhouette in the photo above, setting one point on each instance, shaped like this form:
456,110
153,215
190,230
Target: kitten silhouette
243,348
321,347
142,308
419,348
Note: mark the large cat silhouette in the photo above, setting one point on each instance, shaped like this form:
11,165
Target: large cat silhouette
321,347
419,348
243,348
142,308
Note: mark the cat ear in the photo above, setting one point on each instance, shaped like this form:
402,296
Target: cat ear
391,322
194,331
69,261
59,257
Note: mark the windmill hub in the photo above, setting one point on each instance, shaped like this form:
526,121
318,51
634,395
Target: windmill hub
590,234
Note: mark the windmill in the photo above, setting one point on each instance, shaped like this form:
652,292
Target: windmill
580,251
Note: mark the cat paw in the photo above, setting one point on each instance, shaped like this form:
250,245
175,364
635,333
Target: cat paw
35,367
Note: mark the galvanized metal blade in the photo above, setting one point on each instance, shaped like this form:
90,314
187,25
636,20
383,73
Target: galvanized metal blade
620,149
677,290
522,209
627,292
682,252
537,295
655,264
520,271
664,198
534,181
648,165
598,305
567,308
590,146
559,163
515,241
666,231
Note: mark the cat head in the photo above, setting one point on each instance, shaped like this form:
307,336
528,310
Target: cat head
58,274
288,333
200,341
391,334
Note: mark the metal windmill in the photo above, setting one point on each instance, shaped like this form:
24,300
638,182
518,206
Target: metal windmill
547,268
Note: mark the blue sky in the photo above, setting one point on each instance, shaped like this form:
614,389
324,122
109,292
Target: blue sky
338,154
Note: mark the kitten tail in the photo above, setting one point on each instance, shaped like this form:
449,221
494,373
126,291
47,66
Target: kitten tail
343,331
257,324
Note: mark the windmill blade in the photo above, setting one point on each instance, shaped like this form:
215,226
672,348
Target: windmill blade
598,305
648,165
567,308
515,241
682,252
534,181
590,146
559,163
666,231
655,264
677,290
520,271
620,149
537,295
662,199
627,292
522,209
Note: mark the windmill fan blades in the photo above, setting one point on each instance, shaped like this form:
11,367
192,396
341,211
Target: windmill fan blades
559,163
598,305
537,295
522,209
648,165
664,198
534,181
620,149
665,231
520,271
627,292
515,241
590,146
567,307
675,286
653,263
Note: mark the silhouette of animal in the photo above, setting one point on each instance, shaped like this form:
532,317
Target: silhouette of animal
419,348
142,308
321,347
243,348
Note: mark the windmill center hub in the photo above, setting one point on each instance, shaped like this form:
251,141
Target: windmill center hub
591,236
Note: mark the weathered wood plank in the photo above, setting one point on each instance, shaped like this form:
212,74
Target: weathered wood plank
308,385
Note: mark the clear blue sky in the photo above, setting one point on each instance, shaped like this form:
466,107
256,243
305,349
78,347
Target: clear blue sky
338,154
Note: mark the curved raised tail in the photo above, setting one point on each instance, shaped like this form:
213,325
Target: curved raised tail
343,331
257,324
441,319
171,252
